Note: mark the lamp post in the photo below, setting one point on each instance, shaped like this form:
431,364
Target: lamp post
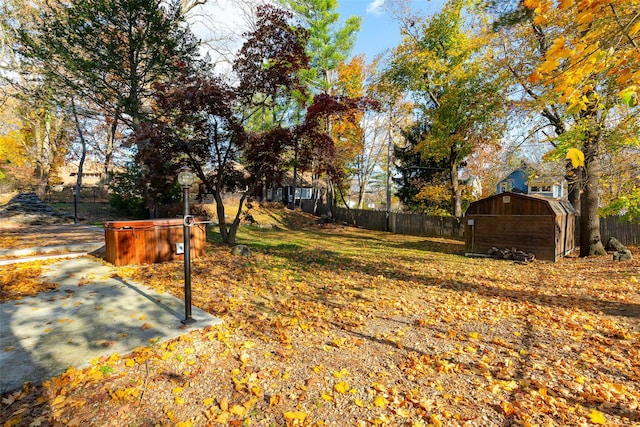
185,179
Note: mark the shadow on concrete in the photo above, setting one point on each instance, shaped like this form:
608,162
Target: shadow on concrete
93,313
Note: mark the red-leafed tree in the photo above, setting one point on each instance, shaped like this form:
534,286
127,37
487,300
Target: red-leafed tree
204,121
235,136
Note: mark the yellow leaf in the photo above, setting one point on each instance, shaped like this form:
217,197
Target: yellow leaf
509,385
507,407
208,401
474,335
585,17
326,397
404,413
576,156
565,4
177,390
558,49
380,401
179,400
256,390
359,402
341,373
379,387
130,362
184,424
275,400
237,410
580,379
295,415
342,387
540,19
435,420
534,77
548,66
224,404
597,417
222,418
634,28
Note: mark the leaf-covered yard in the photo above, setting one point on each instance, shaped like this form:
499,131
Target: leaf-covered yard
330,325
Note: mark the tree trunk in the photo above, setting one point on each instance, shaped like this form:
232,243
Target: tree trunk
83,156
229,233
295,175
590,242
456,192
233,228
110,146
222,224
574,177
361,191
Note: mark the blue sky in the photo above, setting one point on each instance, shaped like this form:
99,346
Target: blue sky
378,31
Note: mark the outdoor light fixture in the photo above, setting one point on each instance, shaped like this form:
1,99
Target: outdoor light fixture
186,179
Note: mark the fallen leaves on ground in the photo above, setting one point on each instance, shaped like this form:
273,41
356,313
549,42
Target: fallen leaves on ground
23,279
339,326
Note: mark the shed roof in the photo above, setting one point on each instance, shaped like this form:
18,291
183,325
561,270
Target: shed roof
519,204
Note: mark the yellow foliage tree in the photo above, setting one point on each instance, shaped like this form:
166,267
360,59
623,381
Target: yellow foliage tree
591,66
590,47
459,95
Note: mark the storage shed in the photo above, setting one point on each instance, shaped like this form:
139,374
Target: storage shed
539,225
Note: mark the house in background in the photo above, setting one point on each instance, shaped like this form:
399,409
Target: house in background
92,174
525,180
283,192
547,186
473,182
515,182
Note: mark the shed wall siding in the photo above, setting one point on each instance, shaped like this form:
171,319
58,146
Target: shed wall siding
528,233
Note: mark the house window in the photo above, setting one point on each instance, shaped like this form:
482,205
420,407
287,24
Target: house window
303,193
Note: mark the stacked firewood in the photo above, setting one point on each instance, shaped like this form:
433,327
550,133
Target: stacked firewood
512,254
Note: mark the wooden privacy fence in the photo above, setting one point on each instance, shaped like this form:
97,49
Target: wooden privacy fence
398,222
627,233
424,225
401,222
